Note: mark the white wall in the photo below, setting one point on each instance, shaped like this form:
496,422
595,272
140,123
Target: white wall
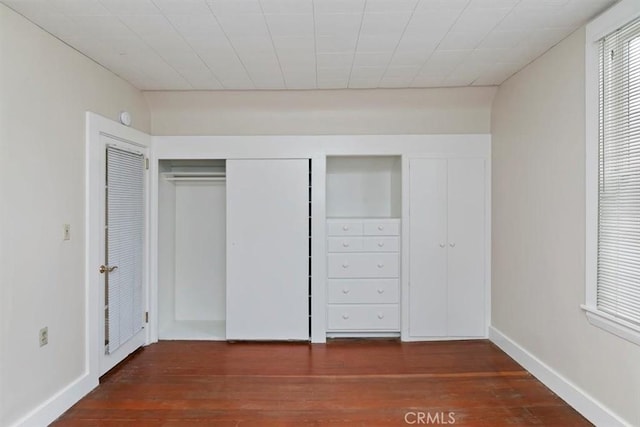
200,251
538,253
45,89
327,112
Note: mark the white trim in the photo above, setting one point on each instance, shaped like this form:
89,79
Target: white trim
52,408
581,401
488,191
614,325
404,254
612,19
318,249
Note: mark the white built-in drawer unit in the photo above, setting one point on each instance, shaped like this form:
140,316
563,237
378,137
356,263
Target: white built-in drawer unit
363,270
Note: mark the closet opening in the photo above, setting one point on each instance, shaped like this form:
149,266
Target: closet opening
192,249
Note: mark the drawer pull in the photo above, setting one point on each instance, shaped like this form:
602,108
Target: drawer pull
345,316
345,265
345,244
381,227
452,244
345,291
380,265
345,227
380,316
442,245
381,291
380,244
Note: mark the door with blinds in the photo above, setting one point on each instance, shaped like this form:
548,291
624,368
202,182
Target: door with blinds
123,268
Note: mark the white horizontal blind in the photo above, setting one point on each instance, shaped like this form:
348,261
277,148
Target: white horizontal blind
125,239
618,290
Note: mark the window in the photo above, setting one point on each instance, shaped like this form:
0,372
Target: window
613,177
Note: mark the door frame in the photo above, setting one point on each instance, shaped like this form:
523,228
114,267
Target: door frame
95,168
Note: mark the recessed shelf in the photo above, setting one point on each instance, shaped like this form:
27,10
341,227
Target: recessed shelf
363,186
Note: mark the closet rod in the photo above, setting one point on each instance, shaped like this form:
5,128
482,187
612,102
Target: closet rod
196,178
193,173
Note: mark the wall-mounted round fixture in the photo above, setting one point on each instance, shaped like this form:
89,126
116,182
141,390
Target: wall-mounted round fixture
125,118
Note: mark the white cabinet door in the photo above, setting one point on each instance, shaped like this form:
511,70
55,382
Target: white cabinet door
427,247
466,301
267,249
446,248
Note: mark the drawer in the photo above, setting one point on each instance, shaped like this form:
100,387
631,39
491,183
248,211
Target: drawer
363,291
345,244
363,317
363,265
389,227
381,244
344,227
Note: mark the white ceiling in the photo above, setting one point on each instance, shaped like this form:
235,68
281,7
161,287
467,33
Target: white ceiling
310,44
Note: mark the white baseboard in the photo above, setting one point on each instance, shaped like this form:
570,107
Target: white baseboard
582,402
52,408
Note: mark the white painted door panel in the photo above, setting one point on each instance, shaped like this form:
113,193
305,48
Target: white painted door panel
267,249
466,299
427,247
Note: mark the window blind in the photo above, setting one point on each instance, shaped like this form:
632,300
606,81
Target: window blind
124,246
618,289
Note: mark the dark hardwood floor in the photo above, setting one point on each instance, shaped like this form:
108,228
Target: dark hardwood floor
345,383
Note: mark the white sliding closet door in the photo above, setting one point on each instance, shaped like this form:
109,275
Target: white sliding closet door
267,249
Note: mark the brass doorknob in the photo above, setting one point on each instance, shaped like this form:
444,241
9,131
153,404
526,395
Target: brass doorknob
107,269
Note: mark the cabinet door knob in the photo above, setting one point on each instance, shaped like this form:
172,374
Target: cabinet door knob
452,244
345,316
381,227
345,228
380,316
380,265
442,245
345,291
345,265
380,244
381,291
345,244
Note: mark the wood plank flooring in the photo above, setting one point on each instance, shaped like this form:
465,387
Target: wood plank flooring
342,383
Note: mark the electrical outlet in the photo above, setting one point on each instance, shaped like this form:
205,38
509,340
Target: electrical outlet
44,336
67,232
